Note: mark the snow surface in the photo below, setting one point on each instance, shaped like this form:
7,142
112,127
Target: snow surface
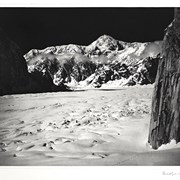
106,126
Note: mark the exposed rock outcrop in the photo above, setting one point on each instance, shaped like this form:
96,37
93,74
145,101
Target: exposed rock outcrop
54,71
142,72
165,117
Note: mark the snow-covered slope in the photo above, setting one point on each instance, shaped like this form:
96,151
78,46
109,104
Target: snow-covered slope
136,51
93,127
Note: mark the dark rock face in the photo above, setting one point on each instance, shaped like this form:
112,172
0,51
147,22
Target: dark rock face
13,68
144,72
53,72
141,72
165,117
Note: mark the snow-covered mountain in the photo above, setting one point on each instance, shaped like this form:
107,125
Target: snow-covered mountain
105,59
104,45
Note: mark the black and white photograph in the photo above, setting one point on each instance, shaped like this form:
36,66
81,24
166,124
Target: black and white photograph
90,86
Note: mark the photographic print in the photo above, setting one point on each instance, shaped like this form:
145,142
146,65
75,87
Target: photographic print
89,86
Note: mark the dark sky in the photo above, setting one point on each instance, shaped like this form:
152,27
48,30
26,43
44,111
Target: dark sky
42,27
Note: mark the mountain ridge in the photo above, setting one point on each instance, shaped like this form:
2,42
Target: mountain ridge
100,60
98,47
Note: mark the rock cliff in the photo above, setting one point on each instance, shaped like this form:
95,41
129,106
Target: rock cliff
13,68
165,117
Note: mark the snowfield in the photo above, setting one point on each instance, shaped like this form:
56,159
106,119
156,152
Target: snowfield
85,127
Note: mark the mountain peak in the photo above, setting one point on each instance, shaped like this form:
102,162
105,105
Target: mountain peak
105,38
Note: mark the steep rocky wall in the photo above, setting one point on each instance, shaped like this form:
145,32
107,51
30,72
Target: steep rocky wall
165,117
13,68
